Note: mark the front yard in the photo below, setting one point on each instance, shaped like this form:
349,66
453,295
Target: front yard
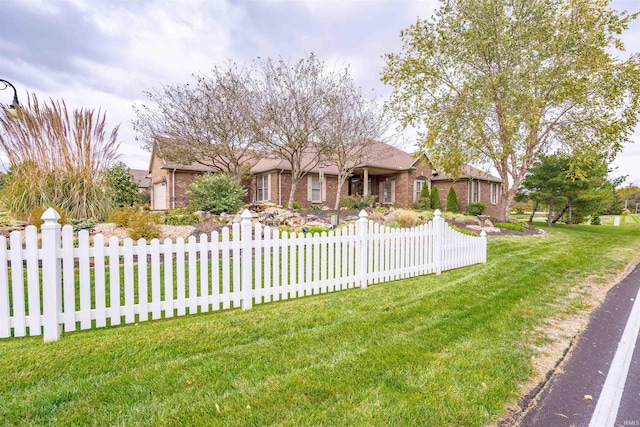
454,349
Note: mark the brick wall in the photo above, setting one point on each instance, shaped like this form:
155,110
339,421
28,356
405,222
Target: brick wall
462,191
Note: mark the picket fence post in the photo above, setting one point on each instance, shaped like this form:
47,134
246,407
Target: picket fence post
361,249
483,236
51,275
246,242
438,240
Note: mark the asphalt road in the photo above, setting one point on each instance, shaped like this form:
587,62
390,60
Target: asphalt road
599,384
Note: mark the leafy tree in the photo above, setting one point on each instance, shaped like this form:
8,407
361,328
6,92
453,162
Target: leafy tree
629,196
549,182
504,81
435,198
452,201
212,122
121,186
57,158
216,193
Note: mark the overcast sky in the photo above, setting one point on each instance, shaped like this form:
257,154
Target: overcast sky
106,53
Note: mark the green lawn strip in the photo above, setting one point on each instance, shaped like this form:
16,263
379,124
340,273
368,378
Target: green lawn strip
431,350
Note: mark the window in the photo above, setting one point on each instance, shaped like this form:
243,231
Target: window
474,190
387,190
419,184
262,188
316,188
494,193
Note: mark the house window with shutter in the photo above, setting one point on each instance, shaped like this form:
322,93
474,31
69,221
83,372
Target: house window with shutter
316,189
262,188
474,192
494,193
418,185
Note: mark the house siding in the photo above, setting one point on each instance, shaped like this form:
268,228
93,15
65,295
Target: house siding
462,189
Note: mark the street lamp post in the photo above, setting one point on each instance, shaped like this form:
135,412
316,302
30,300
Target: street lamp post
13,108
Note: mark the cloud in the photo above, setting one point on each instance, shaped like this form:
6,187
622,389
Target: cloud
49,43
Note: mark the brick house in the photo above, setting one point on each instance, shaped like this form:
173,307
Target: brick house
394,176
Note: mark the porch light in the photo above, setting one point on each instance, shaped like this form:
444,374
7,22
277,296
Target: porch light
13,108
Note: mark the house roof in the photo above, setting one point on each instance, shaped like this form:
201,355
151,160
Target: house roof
381,158
467,172
141,177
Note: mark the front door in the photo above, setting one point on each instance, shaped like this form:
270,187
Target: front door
159,196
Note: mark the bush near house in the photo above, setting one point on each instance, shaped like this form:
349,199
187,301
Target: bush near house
424,199
476,209
217,193
435,198
452,201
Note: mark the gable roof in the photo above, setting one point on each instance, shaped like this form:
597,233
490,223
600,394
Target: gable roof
467,172
380,156
141,177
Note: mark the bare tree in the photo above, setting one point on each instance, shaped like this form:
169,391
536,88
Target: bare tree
211,123
294,109
355,122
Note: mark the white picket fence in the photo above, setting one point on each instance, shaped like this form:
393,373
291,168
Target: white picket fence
68,282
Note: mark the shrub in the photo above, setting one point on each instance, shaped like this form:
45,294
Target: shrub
121,186
35,216
423,203
296,205
393,224
141,227
189,219
424,199
182,211
346,202
435,198
405,218
122,215
476,208
313,229
83,224
363,202
216,193
452,201
314,208
595,219
509,226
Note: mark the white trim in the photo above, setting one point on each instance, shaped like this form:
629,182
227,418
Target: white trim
609,401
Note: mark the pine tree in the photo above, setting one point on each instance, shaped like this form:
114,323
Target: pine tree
452,201
435,198
424,200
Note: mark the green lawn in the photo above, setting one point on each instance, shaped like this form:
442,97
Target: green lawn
432,350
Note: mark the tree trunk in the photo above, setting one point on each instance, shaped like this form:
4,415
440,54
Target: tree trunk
292,193
560,214
535,208
341,180
507,197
